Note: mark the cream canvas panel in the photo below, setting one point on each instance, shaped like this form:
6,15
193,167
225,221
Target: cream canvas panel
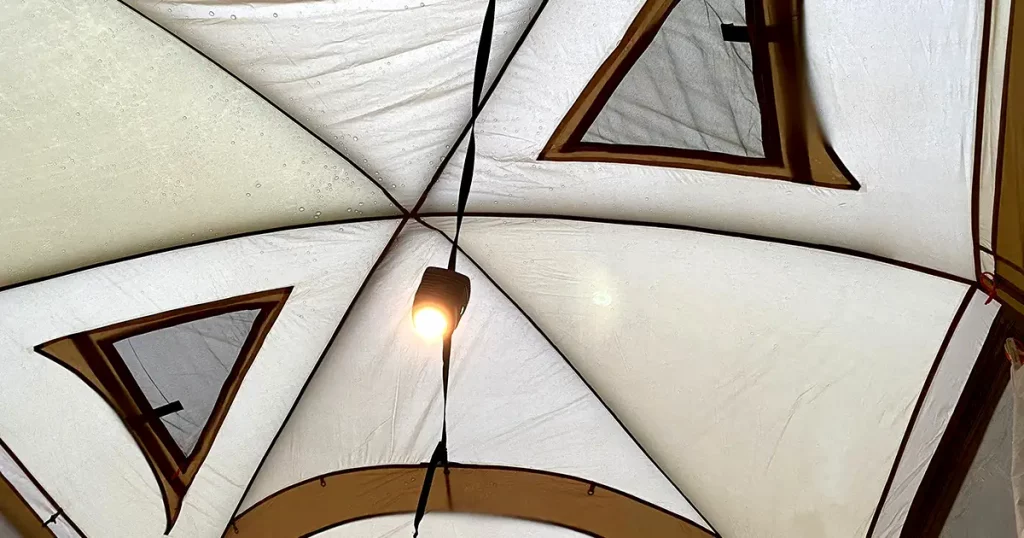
773,383
76,445
513,401
388,82
879,72
943,393
117,139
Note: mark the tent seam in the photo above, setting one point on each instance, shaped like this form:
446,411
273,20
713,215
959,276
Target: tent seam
312,373
578,374
303,126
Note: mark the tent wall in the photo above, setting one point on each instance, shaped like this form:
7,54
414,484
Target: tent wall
117,139
326,265
984,505
387,83
878,72
513,401
734,361
954,368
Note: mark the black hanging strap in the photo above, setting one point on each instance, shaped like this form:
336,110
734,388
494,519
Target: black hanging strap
482,54
440,456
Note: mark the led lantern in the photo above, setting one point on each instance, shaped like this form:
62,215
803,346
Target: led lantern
439,303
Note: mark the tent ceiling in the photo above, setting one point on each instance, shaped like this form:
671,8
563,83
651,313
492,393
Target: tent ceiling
117,139
700,351
879,71
393,105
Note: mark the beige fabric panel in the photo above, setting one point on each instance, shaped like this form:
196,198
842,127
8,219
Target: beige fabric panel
117,139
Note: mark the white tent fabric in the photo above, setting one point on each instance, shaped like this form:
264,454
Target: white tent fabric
326,266
936,409
769,340
110,128
781,356
873,64
385,82
514,401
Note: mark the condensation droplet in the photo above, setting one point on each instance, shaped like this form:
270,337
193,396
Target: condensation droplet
318,191
349,210
317,215
248,194
233,17
360,203
258,185
302,209
275,15
393,185
355,138
211,13
325,167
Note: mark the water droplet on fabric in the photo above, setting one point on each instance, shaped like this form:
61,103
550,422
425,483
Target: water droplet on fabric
211,13
349,210
393,185
317,215
275,15
233,17
258,185
248,194
360,203
302,209
355,138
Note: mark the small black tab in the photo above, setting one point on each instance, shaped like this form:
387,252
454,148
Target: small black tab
167,409
735,34
53,518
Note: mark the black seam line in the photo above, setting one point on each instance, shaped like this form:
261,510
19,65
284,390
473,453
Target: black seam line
968,296
577,372
490,90
183,246
689,228
273,104
58,508
979,120
471,466
312,373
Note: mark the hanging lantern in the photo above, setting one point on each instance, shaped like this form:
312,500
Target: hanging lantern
439,303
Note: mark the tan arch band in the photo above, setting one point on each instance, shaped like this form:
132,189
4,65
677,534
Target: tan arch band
334,499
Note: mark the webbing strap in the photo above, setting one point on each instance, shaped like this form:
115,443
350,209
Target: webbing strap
482,55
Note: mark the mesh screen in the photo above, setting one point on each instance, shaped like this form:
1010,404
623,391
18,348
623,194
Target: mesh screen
690,89
188,363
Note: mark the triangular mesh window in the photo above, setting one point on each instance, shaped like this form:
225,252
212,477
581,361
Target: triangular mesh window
187,363
693,87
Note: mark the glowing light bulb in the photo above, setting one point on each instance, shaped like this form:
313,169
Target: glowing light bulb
430,322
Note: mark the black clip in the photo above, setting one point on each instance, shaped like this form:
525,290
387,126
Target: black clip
591,490
58,513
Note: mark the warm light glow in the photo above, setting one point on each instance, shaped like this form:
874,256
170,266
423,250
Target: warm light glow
430,322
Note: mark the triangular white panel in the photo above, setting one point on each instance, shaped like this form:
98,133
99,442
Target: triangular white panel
448,526
879,72
514,401
116,139
75,444
773,382
388,82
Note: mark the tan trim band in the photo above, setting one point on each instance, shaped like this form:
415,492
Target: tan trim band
334,499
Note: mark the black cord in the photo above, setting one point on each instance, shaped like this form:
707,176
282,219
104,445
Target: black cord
482,55
440,455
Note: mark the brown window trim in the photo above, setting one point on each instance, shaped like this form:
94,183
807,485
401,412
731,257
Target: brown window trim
92,357
795,148
333,499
